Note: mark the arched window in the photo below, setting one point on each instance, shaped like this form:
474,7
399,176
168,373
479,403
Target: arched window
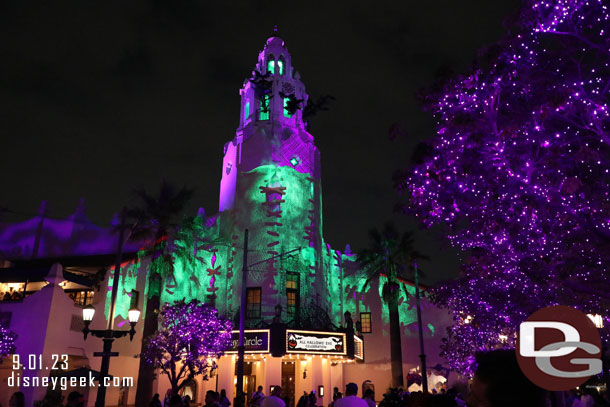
264,108
271,65
280,65
190,389
246,111
286,110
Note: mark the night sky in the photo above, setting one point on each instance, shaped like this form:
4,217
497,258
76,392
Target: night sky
100,98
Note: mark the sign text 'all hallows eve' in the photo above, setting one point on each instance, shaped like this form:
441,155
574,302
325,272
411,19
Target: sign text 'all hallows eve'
315,342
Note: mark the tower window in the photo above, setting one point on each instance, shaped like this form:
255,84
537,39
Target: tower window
365,321
286,111
265,108
292,295
253,304
247,111
280,66
271,66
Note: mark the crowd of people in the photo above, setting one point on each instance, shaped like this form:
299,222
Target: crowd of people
171,400
498,382
275,399
51,399
8,296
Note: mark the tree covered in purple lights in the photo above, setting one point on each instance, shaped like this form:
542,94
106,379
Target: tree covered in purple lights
7,342
518,174
192,336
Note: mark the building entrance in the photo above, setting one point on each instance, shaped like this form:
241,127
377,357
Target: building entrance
249,381
288,384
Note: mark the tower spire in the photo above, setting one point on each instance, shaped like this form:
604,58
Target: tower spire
271,128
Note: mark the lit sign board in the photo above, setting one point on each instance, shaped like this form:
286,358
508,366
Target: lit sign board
358,348
323,343
255,341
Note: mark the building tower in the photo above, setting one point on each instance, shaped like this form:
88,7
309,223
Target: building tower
270,185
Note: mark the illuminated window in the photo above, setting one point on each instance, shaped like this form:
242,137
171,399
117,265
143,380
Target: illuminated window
292,295
292,281
247,111
264,113
286,111
365,322
81,297
291,301
280,66
271,65
253,302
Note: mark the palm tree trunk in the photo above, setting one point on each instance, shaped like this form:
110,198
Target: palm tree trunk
157,213
144,390
395,340
146,373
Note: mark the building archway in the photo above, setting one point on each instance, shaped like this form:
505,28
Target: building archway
189,389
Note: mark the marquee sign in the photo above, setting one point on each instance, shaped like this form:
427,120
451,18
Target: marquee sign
323,343
255,341
358,348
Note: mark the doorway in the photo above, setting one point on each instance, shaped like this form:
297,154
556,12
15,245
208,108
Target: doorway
190,389
288,382
249,381
123,395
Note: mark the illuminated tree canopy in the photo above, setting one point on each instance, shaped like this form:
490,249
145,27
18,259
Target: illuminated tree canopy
191,337
7,342
518,174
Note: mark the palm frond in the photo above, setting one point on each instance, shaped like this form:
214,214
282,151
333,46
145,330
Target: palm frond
389,252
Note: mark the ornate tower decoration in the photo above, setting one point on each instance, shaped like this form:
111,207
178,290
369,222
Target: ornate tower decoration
271,179
270,185
271,128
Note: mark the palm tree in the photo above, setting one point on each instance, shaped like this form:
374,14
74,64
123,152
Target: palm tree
390,254
158,216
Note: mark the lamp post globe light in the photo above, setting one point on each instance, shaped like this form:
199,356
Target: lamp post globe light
133,315
108,336
88,313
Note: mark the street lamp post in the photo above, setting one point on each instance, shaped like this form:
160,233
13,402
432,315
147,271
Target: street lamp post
240,397
278,314
108,335
422,354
